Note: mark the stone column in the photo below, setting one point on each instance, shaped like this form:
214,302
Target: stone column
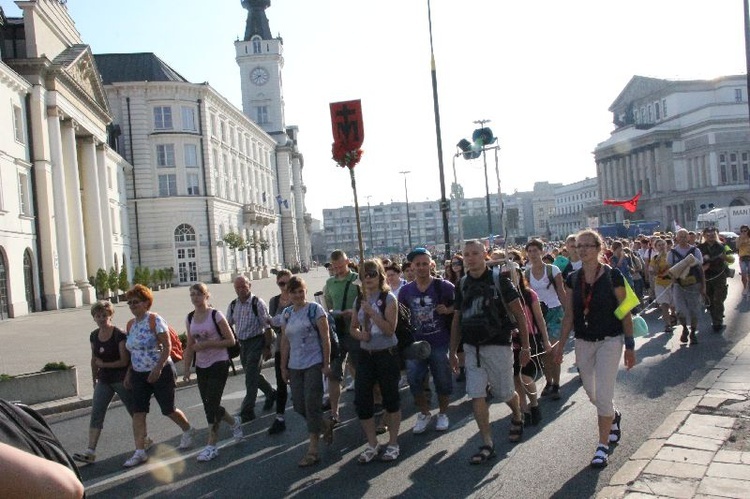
92,207
70,294
108,230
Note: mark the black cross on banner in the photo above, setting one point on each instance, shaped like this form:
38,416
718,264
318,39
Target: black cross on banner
347,125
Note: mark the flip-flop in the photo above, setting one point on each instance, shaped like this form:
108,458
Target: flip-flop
308,460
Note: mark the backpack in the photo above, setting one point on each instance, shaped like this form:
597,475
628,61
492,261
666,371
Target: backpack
334,338
403,332
24,428
550,277
175,351
487,327
694,274
234,350
253,304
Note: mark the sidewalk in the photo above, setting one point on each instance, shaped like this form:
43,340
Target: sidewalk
702,449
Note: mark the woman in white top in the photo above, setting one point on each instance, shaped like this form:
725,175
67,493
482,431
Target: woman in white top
551,295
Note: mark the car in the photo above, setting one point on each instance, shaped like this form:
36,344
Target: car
730,239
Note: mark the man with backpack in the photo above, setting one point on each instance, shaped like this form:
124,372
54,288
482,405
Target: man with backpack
688,289
488,310
430,301
249,316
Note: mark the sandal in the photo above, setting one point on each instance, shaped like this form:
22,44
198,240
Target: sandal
368,454
382,428
486,452
601,458
516,432
391,453
309,460
615,433
85,457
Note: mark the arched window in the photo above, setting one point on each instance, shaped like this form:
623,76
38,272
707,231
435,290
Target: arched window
256,44
184,233
28,278
186,254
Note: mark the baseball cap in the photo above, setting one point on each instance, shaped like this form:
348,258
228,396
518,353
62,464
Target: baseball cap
416,252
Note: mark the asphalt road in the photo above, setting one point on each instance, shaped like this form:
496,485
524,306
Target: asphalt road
552,461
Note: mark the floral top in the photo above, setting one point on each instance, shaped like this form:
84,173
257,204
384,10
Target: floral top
145,350
304,340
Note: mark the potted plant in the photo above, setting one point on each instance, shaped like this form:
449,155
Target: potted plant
56,380
169,276
113,279
142,276
101,283
122,280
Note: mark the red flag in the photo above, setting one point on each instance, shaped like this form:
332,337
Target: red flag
631,204
347,124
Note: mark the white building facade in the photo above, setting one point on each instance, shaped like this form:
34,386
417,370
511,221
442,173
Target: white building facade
201,170
63,209
682,144
572,201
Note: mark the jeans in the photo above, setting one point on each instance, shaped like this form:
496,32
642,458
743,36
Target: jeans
438,364
103,394
211,383
251,356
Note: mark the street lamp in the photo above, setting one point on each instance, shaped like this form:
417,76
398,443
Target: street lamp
408,218
458,196
369,219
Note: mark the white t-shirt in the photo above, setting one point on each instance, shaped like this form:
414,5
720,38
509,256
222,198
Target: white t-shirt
547,294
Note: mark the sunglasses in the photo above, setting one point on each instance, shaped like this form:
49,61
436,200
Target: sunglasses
371,274
134,302
281,284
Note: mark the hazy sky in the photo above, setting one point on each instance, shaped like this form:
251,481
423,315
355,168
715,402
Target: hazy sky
543,71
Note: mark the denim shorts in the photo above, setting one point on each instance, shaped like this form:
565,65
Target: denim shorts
438,365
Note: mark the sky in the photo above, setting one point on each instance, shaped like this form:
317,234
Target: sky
544,72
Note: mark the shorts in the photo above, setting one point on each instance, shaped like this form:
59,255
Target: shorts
495,368
438,365
553,318
162,390
663,294
688,301
745,266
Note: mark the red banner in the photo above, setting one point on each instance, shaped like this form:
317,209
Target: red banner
631,204
347,125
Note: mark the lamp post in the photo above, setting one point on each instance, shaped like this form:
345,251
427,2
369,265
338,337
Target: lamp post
486,185
458,196
408,218
369,220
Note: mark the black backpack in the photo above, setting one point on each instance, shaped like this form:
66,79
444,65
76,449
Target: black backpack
487,327
24,428
234,350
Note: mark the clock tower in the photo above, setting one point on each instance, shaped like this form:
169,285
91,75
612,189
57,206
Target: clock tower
260,58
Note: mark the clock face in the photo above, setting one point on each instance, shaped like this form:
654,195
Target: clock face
259,76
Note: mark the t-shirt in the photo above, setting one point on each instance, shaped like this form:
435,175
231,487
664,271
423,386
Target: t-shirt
378,340
305,348
659,267
426,323
713,254
205,330
144,349
109,351
473,302
599,300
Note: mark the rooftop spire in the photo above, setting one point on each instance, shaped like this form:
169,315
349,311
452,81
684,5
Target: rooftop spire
257,22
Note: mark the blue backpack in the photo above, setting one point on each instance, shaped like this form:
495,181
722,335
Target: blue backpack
334,338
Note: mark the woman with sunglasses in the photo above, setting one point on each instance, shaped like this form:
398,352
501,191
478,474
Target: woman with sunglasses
743,250
593,294
151,371
275,306
374,325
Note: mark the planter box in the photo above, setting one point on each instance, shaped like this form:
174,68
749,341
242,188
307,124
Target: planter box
35,388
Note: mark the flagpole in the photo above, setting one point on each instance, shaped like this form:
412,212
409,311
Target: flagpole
356,212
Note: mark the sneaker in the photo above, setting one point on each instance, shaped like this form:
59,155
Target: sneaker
209,453
270,400
350,386
139,457
147,443
442,422
278,426
693,338
547,389
555,392
237,429
422,421
684,335
536,415
186,441
403,382
88,456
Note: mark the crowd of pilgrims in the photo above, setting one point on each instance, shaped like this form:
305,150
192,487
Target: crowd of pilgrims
496,321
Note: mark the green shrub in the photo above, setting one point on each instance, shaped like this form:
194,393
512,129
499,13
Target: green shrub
56,366
5,377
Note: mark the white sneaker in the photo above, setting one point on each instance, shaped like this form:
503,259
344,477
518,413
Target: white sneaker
237,429
147,443
403,382
350,386
209,453
186,441
442,422
422,421
139,457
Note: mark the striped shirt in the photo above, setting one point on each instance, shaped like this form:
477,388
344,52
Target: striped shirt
246,323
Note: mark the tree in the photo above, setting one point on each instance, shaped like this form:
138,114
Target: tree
142,275
122,280
101,283
113,281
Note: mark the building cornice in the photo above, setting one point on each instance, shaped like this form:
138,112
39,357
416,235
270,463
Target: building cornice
13,80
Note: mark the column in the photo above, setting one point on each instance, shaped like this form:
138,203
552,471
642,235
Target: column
92,222
108,230
70,294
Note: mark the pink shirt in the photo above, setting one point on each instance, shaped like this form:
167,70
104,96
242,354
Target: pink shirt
206,330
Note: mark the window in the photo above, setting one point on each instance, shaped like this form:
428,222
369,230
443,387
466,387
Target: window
657,110
664,107
163,118
223,127
184,233
722,168
733,168
191,155
168,185
745,168
188,119
256,45
18,123
24,194
165,155
737,95
193,188
261,115
214,127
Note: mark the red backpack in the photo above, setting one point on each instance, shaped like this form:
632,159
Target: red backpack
175,350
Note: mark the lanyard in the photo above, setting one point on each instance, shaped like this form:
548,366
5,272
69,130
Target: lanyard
587,297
